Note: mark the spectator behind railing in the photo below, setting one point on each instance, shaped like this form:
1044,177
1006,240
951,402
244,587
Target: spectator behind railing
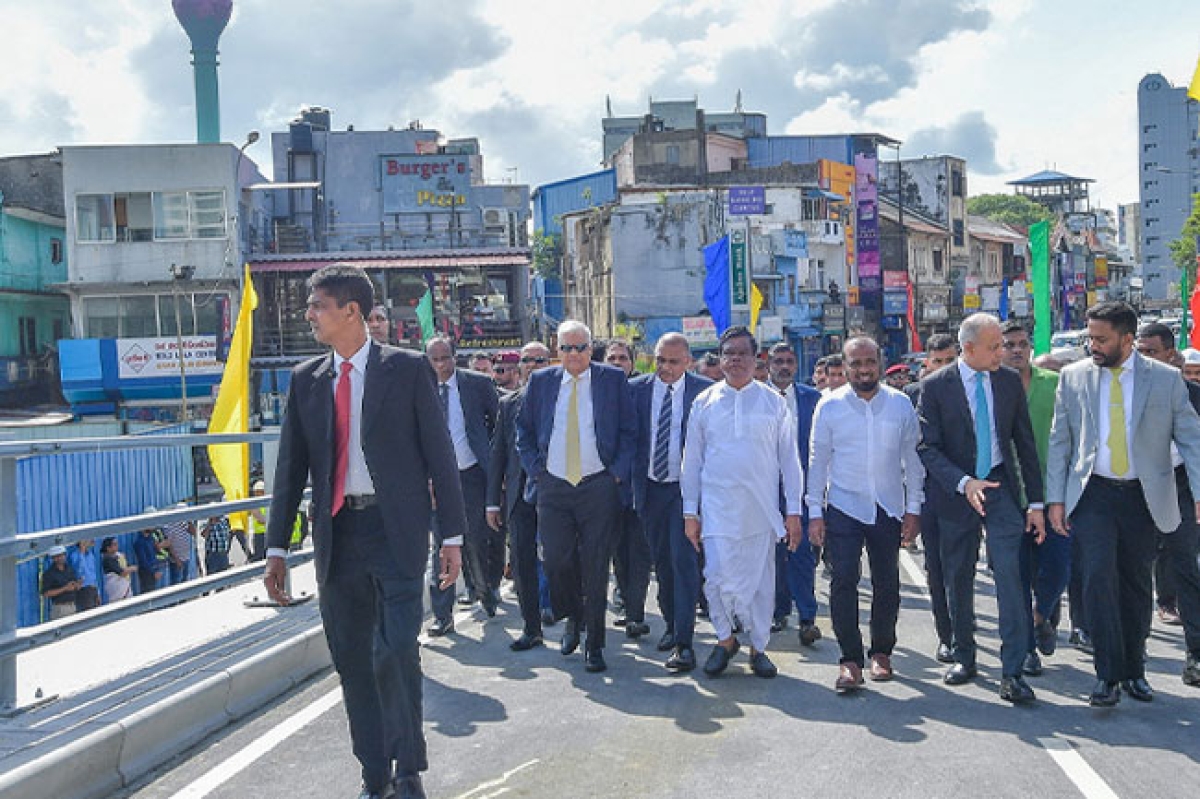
149,551
117,585
180,541
59,584
85,564
218,537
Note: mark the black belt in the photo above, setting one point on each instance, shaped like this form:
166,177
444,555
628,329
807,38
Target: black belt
360,501
1112,482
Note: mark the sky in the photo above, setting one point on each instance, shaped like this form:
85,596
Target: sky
1013,86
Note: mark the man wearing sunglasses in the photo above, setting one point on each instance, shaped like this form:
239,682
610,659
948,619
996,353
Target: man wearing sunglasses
506,370
576,436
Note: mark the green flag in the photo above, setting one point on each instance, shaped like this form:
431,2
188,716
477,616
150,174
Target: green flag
1039,246
425,310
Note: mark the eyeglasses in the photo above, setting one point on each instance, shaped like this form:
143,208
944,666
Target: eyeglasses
575,347
501,368
531,359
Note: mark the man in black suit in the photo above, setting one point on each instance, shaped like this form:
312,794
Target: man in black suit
976,435
663,402
506,503
941,350
575,434
360,414
469,404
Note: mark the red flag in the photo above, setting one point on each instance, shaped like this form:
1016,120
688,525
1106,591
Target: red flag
1194,306
912,321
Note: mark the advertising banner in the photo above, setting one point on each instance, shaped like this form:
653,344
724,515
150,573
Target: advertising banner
895,303
895,279
424,183
700,331
144,358
866,192
739,272
746,200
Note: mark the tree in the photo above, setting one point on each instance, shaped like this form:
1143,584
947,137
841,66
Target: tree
545,255
1011,209
1183,249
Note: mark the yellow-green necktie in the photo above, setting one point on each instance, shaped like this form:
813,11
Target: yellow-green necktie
1117,446
574,464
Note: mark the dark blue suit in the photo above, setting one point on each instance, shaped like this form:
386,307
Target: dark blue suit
660,506
577,523
795,572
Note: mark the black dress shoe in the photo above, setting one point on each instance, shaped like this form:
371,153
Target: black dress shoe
810,633
1191,670
441,627
667,642
1105,694
1032,665
1046,637
525,642
1138,689
944,654
548,619
594,661
959,674
490,602
762,666
636,629
1016,690
570,639
408,786
387,792
621,621
778,624
737,626
718,661
681,660
1082,641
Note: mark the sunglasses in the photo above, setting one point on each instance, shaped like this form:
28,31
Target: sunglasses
531,359
502,368
574,347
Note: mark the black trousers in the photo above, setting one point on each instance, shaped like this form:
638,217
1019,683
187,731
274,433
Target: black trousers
845,538
371,608
1115,543
578,525
931,536
523,534
1177,567
676,561
483,547
1008,548
631,564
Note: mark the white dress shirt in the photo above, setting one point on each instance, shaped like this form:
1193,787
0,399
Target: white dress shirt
675,450
589,455
358,478
458,425
856,447
788,393
1103,464
968,380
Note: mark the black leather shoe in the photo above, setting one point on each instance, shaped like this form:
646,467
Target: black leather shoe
1082,641
1046,637
718,661
490,604
667,642
1032,665
525,642
778,624
681,660
1105,694
944,654
594,661
762,666
408,786
810,633
1138,689
959,674
548,619
737,626
387,792
1191,670
621,621
636,629
570,639
1016,690
441,627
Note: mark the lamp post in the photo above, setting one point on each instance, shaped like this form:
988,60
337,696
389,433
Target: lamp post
251,138
180,272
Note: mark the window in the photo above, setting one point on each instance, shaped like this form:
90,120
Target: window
937,261
94,217
189,215
102,315
673,154
134,219
956,183
56,251
208,313
138,319
958,233
27,333
208,214
184,324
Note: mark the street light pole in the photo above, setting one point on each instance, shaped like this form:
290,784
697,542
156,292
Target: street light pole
180,273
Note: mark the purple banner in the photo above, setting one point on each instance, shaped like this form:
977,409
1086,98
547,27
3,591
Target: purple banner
746,200
866,228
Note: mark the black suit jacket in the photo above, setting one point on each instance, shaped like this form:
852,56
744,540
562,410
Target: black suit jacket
642,389
480,403
506,478
947,445
406,445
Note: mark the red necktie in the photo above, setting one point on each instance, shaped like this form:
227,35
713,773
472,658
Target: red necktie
341,436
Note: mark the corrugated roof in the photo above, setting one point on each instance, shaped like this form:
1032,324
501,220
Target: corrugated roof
981,227
1047,176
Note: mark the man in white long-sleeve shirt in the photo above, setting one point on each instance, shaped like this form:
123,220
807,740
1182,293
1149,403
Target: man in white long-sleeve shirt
856,495
741,443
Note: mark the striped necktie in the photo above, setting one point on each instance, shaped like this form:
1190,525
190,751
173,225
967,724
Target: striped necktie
662,437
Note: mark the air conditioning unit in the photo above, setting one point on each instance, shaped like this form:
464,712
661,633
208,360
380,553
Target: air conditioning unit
496,223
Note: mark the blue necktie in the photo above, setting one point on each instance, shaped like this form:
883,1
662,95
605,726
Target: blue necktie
983,430
662,437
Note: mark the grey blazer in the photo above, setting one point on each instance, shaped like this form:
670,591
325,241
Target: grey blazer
1161,414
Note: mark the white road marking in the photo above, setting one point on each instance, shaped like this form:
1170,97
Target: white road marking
496,783
259,747
1077,769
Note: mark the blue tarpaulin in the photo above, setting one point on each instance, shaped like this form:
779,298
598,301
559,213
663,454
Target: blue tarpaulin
716,283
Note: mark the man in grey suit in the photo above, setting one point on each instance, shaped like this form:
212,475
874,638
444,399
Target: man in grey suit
469,405
1110,483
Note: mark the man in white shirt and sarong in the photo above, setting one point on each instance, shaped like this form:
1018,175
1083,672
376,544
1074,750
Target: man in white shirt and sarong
741,445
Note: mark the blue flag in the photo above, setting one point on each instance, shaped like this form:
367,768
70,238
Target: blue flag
1004,301
716,283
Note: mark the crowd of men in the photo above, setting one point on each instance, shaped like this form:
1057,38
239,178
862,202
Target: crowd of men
729,480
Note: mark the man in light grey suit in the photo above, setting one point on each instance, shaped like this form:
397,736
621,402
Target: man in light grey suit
1110,482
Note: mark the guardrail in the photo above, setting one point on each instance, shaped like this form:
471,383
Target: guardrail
15,547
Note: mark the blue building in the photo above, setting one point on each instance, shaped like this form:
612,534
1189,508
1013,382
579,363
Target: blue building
33,261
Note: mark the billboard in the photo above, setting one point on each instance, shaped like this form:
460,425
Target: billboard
700,332
142,358
746,200
424,183
866,195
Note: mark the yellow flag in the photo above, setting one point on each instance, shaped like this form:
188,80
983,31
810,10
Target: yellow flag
231,413
1194,88
756,304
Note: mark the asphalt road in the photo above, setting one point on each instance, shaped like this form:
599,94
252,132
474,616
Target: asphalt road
535,724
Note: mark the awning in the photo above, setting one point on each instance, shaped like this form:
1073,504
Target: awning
297,184
417,262
821,194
